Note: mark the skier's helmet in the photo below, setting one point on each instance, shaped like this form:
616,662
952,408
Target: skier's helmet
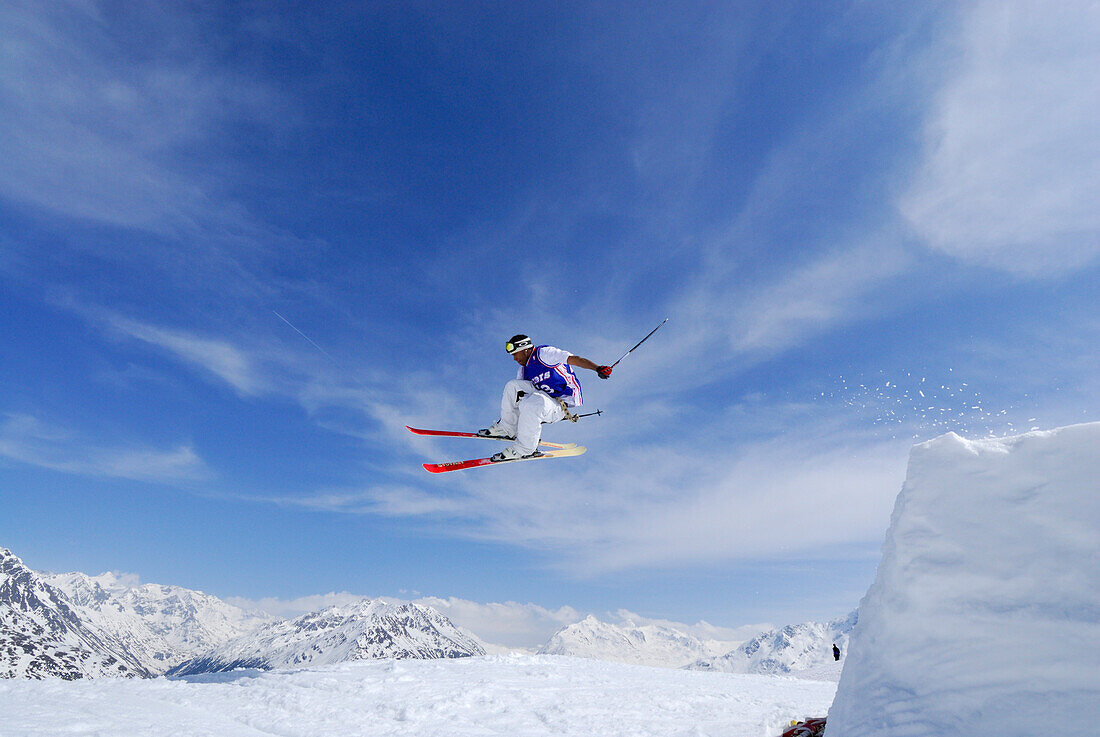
517,343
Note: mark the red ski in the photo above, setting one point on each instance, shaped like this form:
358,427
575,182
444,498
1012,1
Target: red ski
576,450
454,434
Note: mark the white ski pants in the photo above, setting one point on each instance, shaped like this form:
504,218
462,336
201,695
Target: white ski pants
523,417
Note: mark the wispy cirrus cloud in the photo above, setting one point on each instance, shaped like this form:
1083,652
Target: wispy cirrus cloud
220,358
27,439
1010,171
697,500
384,500
109,138
820,295
1007,177
99,129
258,367
686,510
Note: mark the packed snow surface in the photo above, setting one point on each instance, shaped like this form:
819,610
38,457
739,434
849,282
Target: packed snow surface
985,613
514,694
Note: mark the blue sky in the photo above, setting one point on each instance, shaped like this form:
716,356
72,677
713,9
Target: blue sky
241,245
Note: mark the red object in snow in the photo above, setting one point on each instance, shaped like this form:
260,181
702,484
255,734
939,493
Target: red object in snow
808,728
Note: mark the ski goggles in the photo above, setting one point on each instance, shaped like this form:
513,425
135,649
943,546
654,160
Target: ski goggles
518,346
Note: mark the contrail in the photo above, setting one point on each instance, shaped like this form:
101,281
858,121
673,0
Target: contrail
304,336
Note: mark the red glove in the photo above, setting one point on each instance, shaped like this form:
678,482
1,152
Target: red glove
604,372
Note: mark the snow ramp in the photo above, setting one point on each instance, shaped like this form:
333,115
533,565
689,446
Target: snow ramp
984,617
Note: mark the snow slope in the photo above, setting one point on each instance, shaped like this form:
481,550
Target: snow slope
804,650
364,630
985,612
489,695
649,644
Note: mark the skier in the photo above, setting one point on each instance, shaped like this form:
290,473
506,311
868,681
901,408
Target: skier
836,652
544,390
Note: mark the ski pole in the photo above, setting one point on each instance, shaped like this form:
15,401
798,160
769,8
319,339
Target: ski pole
589,414
573,418
643,340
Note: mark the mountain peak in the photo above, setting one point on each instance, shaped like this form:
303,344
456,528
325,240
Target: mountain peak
9,560
41,635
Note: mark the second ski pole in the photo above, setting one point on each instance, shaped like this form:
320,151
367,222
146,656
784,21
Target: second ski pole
643,340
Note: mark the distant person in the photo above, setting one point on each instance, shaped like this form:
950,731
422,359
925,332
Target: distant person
836,652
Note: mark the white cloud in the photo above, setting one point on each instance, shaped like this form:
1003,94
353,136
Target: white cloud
291,608
509,623
219,357
28,440
688,501
93,131
387,501
815,297
764,501
181,463
255,364
1010,175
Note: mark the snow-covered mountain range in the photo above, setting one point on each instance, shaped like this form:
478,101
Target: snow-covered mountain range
76,626
43,636
650,644
369,629
73,625
802,649
160,625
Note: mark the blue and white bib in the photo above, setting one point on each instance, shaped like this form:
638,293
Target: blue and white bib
555,379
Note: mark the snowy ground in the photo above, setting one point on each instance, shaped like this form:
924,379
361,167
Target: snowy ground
492,695
984,616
